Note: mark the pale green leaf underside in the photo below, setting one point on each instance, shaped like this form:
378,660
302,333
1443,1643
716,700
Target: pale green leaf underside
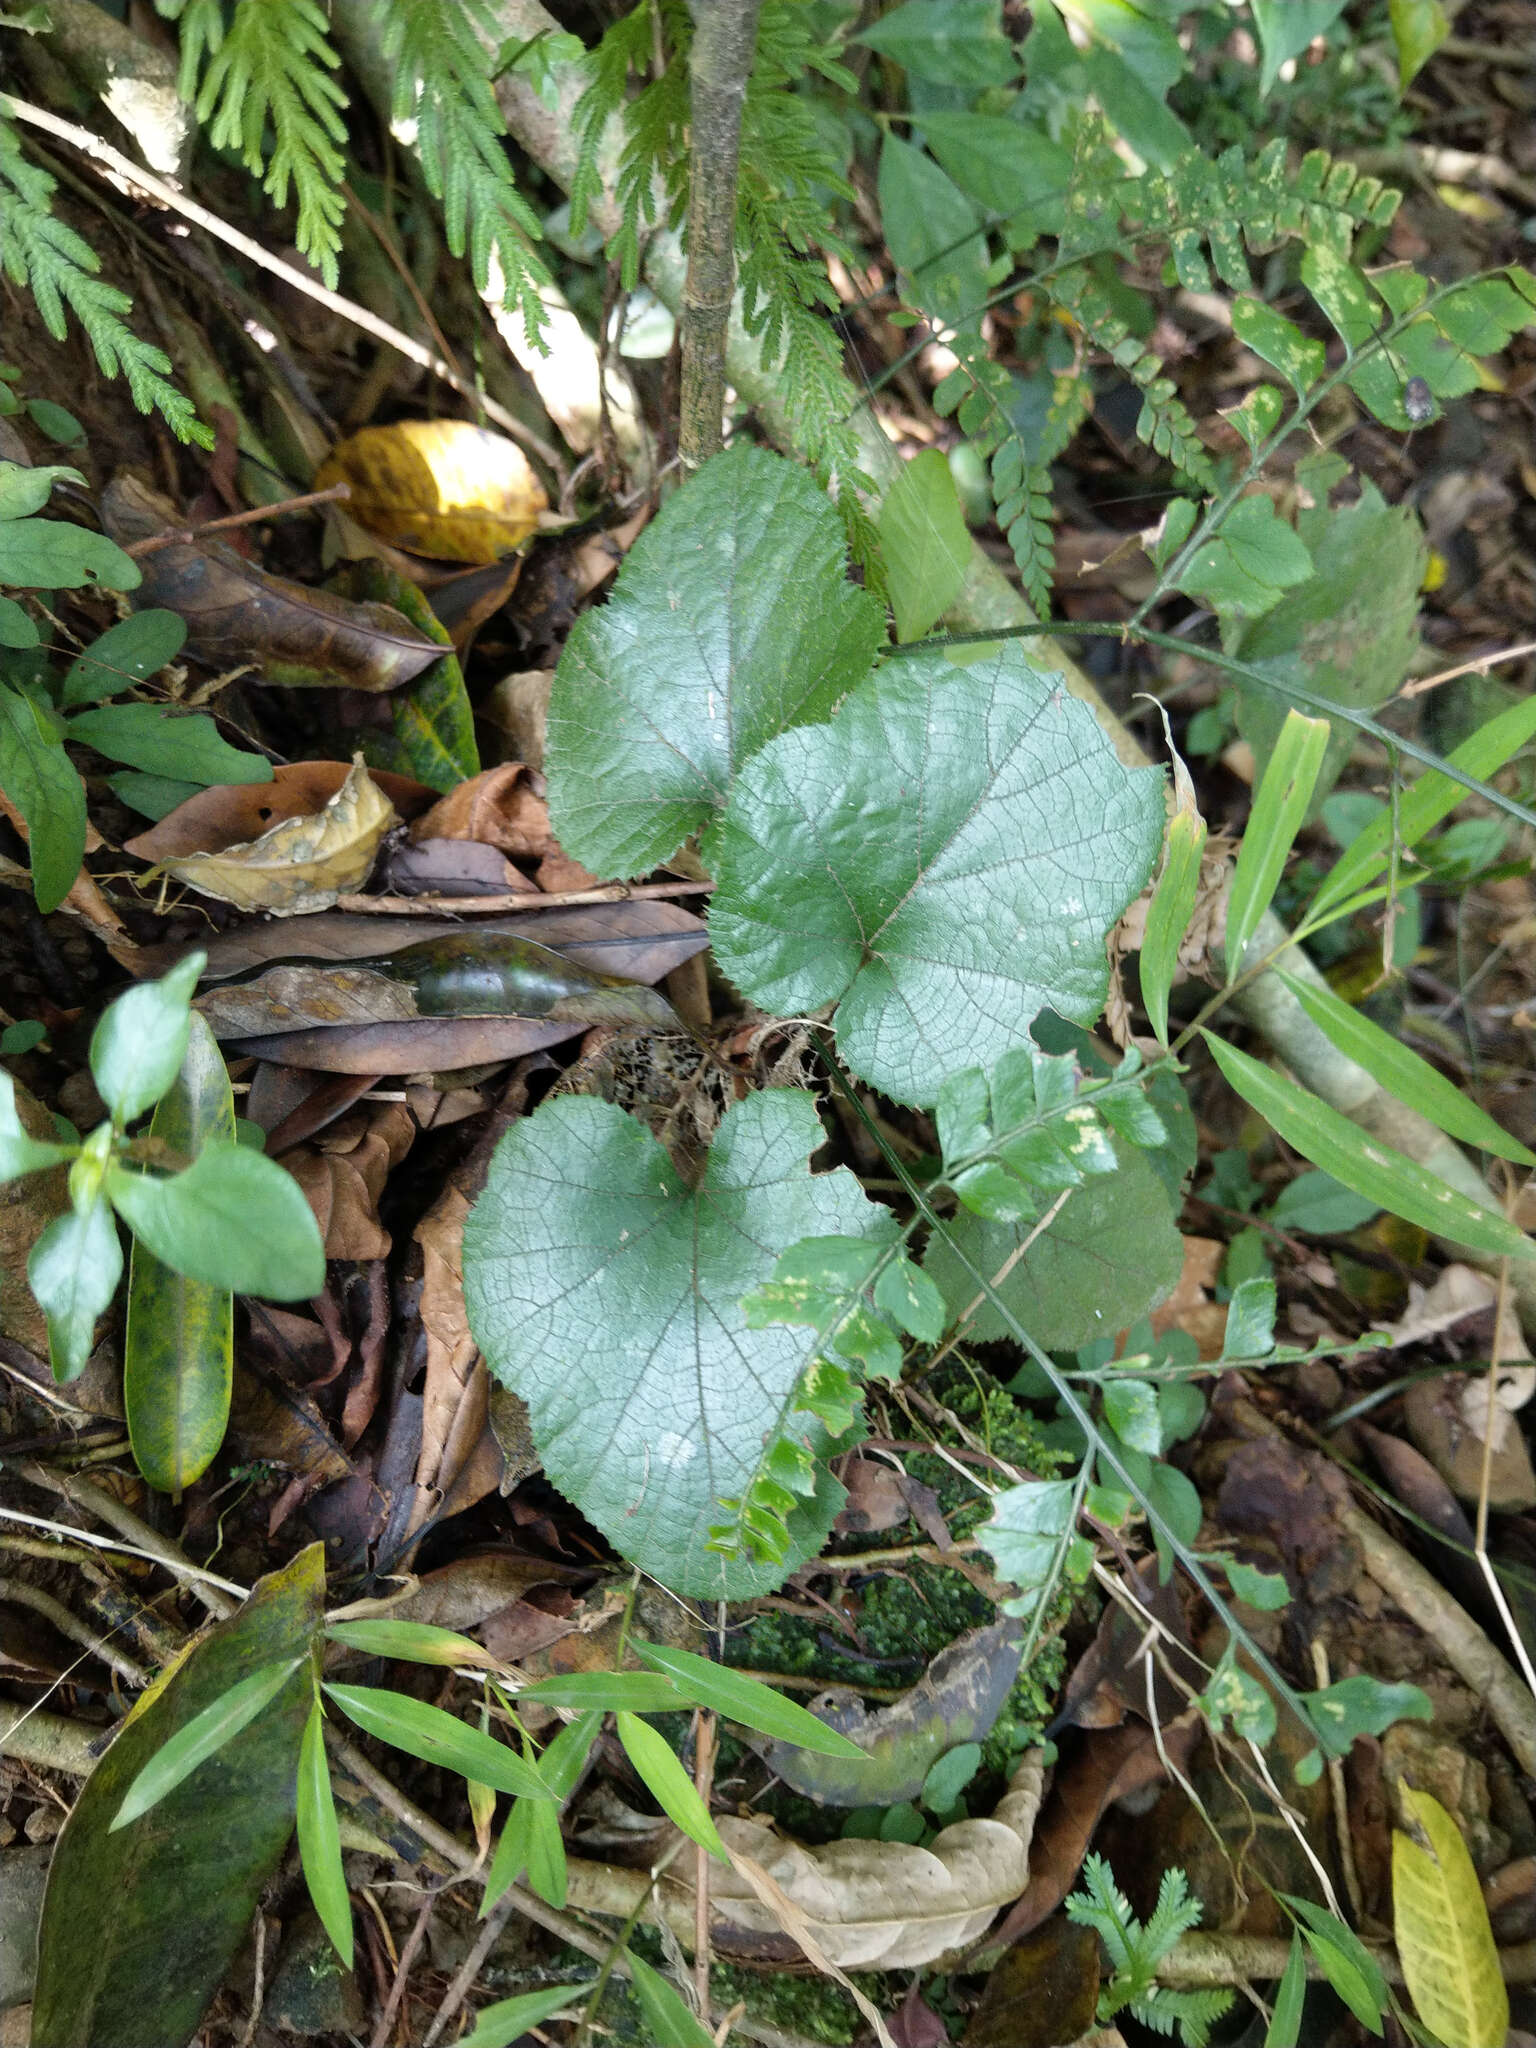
608,1295
732,620
942,861
1111,1254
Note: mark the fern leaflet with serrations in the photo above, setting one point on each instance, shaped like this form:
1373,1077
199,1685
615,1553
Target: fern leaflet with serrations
39,251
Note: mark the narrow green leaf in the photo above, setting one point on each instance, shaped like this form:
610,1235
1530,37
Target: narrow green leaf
1279,806
1401,1071
1285,2019
668,1783
129,652
607,1692
437,1738
925,542
1168,918
178,1347
1425,802
320,1839
670,2021
234,1219
1382,1175
139,1045
414,1641
510,2018
531,1839
1344,1960
39,778
204,1735
744,1699
73,1272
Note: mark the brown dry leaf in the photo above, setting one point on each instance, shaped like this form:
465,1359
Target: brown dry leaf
472,1589
884,1905
449,867
1042,1992
441,487
298,865
502,807
343,1175
1447,1418
239,615
1190,1307
459,1461
228,814
429,1045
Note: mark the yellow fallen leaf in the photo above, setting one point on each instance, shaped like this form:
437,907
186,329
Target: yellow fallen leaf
441,487
302,863
1440,1925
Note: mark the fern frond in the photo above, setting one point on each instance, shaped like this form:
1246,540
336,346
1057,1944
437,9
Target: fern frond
274,64
59,268
625,48
442,85
202,32
1174,1914
1193,2013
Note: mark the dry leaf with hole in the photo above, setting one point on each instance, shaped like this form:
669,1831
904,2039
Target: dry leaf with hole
887,1905
239,615
440,487
300,864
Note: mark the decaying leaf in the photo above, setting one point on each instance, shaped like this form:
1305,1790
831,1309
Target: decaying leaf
1042,1992
956,1700
238,614
343,1172
888,1905
441,487
456,1462
503,807
298,865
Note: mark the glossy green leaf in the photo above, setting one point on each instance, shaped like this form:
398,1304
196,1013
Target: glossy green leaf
1419,27
731,620
320,1838
433,723
1287,27
233,1219
670,2021
129,652
202,1737
437,1738
39,778
1284,2030
1168,917
925,543
417,1642
668,1783
1344,1960
946,42
73,1272
642,1692
1280,804
1279,342
1425,802
56,421
140,1042
836,886
1384,1176
140,1927
607,1293
1110,1255
178,1347
509,2019
153,796
1131,1410
1250,1320
20,1152
933,232
1028,1535
50,554
1402,1072
743,1699
187,748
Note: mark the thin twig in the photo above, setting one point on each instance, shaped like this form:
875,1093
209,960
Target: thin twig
1485,1482
67,1624
1479,667
252,517
413,1942
138,179
1339,1796
259,1988
193,1574
518,899
469,1970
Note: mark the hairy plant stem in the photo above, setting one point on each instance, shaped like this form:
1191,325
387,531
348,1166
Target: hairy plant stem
720,63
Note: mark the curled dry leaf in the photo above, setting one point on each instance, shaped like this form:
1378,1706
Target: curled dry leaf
887,1905
503,807
298,865
957,1699
440,487
238,614
343,1172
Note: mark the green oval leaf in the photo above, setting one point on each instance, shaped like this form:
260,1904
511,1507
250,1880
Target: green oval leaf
320,1838
185,747
1372,1169
925,542
510,2018
201,1738
668,1783
178,1346
49,554
129,652
437,1738
941,928
744,1699
234,1219
20,1152
73,1272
